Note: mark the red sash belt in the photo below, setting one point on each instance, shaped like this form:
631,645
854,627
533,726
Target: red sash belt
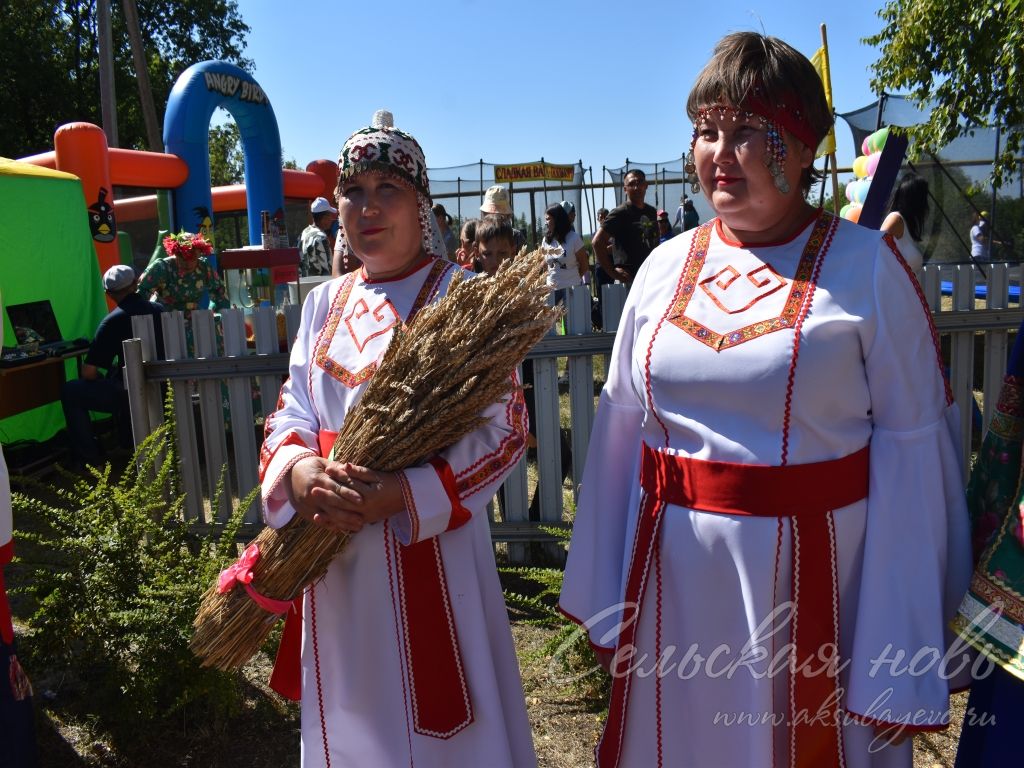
803,492
440,697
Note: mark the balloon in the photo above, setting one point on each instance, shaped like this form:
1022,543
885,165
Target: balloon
872,164
850,212
857,191
860,166
864,148
877,139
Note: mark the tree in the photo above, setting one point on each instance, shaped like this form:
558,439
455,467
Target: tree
227,165
963,58
49,58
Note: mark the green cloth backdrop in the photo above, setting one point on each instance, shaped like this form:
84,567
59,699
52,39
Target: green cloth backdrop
46,252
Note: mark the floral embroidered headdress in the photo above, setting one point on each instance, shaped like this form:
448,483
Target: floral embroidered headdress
382,148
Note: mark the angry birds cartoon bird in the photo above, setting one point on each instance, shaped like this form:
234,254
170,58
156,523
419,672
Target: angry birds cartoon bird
205,222
101,219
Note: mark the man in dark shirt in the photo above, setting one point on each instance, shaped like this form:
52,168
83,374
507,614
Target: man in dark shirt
634,228
93,391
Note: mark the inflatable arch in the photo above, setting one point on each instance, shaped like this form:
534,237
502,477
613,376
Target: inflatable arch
198,92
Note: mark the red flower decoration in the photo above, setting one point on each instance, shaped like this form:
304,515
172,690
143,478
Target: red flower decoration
187,245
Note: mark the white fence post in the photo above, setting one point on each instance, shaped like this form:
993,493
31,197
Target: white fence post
581,384
961,376
175,348
240,398
996,341
211,410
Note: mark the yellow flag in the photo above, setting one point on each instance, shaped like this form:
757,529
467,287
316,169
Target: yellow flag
820,62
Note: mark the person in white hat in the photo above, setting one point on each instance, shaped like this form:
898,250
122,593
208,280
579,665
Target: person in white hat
314,245
94,390
496,203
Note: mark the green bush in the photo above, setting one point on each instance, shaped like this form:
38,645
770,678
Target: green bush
114,602
568,650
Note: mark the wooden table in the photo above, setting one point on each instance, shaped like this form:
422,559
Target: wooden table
24,387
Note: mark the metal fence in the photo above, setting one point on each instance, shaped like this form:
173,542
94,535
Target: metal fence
237,374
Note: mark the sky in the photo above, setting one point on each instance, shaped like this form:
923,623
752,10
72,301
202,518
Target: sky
566,80
590,80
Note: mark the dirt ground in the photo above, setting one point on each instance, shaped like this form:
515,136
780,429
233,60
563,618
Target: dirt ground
565,726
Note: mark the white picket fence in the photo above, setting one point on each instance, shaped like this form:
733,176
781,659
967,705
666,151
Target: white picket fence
197,384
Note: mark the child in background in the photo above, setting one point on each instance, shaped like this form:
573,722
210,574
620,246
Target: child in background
465,256
495,242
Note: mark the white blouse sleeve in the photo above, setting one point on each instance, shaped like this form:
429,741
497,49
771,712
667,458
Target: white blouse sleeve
291,431
592,588
456,485
917,561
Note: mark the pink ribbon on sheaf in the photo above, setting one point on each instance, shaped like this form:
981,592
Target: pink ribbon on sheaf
241,572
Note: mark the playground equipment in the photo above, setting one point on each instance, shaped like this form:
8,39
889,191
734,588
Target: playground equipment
81,150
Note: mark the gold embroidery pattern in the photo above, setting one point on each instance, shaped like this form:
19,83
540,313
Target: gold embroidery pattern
786,319
335,369
994,593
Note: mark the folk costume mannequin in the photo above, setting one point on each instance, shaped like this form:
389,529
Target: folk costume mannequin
773,497
406,653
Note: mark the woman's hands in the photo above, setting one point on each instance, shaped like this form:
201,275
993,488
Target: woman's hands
343,497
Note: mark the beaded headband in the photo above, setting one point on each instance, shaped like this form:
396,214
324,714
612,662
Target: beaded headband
787,113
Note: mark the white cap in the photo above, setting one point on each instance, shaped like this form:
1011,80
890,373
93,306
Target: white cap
320,205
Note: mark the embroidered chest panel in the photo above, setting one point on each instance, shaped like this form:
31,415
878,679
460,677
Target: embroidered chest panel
734,298
361,329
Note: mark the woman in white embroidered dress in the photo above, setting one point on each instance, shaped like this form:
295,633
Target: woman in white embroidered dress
733,519
406,653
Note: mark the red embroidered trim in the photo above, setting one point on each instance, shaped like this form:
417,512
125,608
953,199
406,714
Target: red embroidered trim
316,665
734,275
650,346
332,367
927,313
740,244
360,309
459,515
415,267
609,748
291,438
833,224
486,468
657,652
268,429
390,540
990,593
786,318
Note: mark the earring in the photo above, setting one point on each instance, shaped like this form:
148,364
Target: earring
690,169
776,158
